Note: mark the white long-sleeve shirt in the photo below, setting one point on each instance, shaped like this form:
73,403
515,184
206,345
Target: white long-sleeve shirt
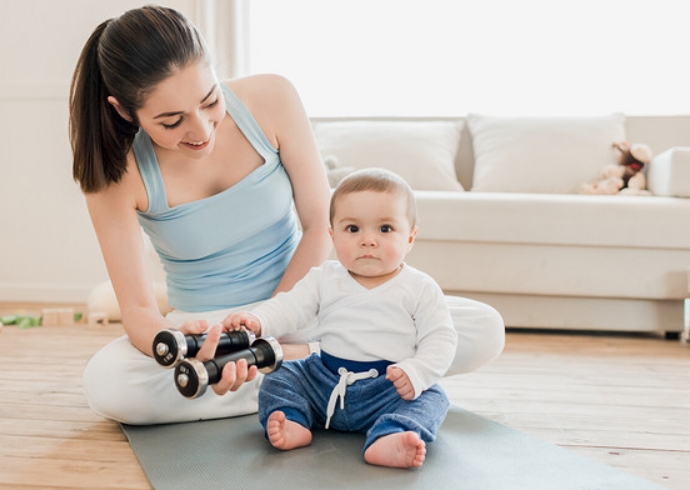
406,320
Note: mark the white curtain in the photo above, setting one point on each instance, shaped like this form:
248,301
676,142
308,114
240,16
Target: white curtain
224,24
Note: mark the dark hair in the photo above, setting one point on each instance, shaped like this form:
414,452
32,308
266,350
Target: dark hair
125,57
376,180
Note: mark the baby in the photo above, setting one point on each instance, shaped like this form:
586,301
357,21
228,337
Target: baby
385,332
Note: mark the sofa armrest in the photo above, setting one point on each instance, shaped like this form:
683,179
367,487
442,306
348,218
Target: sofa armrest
668,173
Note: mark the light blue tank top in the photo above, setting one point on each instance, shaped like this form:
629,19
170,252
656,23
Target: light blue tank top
229,249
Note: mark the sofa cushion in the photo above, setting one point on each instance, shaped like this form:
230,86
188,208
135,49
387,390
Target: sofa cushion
596,221
421,152
553,155
669,173
558,245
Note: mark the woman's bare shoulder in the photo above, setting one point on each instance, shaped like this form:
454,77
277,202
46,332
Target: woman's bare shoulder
264,90
272,100
259,83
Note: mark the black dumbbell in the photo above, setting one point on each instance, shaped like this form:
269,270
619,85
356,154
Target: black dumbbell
171,346
192,376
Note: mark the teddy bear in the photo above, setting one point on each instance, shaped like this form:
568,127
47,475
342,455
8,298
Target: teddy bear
626,177
335,171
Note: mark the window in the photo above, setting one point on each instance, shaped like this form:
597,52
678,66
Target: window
452,57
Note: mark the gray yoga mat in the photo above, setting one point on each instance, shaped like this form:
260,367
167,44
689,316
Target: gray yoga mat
470,453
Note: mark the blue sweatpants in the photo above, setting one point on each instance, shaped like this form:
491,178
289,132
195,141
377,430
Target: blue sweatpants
301,389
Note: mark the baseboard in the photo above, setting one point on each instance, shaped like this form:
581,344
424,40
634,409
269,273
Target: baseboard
579,313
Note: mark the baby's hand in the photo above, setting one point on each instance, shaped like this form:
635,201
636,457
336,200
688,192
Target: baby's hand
194,327
236,321
401,381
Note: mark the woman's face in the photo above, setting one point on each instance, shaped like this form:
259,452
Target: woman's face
184,110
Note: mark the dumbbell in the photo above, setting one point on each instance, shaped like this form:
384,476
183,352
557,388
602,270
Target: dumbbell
171,346
192,376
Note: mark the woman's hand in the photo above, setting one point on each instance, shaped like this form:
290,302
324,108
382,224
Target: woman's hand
235,374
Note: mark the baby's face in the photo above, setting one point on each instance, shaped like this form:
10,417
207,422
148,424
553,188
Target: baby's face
371,233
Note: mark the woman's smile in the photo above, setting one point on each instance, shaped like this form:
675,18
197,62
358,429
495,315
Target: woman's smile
197,145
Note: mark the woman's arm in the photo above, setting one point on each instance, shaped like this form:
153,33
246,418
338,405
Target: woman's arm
275,104
113,213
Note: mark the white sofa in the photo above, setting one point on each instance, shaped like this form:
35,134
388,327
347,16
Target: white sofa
501,220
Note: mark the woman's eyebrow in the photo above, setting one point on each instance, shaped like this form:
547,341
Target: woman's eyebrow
179,113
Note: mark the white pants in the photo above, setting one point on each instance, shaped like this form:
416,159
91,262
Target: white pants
125,385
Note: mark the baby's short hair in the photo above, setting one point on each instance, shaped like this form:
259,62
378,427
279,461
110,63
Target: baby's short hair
376,180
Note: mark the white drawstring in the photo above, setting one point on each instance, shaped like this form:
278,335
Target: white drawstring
346,378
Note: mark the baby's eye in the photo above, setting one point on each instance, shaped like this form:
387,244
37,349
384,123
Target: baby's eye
173,125
352,228
212,104
386,228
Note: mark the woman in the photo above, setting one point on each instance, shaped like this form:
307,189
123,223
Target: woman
210,171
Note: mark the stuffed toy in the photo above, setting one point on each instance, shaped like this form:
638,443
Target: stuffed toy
334,171
102,298
625,178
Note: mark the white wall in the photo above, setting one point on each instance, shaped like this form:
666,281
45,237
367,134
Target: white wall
48,251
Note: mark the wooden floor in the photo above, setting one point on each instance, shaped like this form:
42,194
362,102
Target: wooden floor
622,400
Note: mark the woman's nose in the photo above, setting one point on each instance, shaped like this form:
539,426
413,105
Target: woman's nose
199,129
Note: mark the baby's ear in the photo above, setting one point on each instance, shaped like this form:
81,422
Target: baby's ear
120,110
410,240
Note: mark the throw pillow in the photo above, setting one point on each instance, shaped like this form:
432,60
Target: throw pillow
421,152
541,154
669,173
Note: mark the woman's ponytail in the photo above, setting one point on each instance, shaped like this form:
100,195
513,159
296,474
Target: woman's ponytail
100,138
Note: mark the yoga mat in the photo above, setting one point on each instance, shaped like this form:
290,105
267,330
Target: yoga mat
470,453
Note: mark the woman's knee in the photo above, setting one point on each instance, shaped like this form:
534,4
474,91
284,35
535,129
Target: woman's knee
101,388
114,383
481,334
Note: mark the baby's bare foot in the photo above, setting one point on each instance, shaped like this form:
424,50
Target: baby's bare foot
286,434
400,450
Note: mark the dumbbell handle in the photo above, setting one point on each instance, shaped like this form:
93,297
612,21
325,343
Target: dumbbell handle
192,376
170,346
